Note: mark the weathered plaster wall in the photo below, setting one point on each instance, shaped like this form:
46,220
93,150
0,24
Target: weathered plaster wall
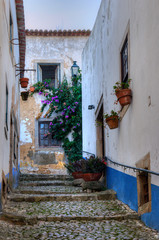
138,132
63,50
8,59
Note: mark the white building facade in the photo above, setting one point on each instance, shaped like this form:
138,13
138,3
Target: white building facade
50,54
135,142
12,57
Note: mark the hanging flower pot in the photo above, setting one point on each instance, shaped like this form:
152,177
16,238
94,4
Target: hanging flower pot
91,176
112,122
124,96
24,95
112,119
24,82
32,89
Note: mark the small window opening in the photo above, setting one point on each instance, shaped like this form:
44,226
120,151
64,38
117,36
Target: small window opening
144,186
49,72
11,32
3,189
46,139
6,114
124,61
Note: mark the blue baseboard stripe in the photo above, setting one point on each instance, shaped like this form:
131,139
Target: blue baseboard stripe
126,189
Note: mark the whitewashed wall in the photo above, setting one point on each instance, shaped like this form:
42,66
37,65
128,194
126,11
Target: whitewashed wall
45,49
7,76
138,132
64,50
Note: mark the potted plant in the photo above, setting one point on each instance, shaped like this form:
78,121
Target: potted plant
24,95
123,92
24,82
75,168
112,119
93,168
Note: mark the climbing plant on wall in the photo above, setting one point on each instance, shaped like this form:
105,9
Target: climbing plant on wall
66,102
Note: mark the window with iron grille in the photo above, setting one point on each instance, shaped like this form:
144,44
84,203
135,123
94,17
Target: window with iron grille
49,71
124,61
46,139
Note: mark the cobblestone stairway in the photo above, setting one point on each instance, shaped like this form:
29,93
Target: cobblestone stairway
50,207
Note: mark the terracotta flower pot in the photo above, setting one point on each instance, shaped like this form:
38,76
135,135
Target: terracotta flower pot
112,122
24,82
124,96
91,176
77,175
32,89
24,95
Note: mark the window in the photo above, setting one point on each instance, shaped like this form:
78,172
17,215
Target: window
6,114
44,139
124,61
49,71
11,32
144,185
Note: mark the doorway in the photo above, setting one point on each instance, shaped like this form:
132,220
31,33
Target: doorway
100,149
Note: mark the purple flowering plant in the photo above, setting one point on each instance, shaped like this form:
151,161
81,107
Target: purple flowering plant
65,101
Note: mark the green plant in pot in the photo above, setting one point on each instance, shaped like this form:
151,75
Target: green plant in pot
75,168
123,92
24,95
93,168
112,119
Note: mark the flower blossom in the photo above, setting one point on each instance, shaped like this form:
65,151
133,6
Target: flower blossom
66,116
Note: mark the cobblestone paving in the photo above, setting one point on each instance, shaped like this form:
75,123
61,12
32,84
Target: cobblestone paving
46,183
89,230
88,208
59,215
49,189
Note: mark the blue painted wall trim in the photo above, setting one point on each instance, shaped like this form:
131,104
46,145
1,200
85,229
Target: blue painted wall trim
15,174
126,189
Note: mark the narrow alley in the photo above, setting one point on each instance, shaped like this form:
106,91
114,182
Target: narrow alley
50,207
79,152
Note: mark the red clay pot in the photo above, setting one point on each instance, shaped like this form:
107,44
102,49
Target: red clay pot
24,82
124,96
24,95
32,89
77,175
91,176
112,122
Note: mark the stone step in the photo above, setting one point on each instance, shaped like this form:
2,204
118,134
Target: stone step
47,190
66,211
104,195
43,177
46,183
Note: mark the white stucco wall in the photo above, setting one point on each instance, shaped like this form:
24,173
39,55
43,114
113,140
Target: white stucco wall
45,49
61,50
7,77
138,132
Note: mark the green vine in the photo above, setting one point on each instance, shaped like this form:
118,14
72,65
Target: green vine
66,101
